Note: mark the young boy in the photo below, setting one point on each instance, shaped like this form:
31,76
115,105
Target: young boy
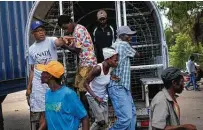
63,109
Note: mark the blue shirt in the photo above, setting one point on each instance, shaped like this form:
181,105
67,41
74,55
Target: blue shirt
64,110
122,71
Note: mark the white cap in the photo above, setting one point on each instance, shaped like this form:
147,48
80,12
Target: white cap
109,52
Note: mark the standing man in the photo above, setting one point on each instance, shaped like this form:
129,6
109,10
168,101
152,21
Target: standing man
191,70
119,86
96,84
43,50
103,35
164,109
64,110
81,45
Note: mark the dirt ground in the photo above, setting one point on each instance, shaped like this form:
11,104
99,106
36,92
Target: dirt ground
16,110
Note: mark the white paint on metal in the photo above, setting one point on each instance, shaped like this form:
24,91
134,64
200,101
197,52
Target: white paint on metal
118,8
124,13
140,67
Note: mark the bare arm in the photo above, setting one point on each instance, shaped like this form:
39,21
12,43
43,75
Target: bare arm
59,42
170,128
29,85
71,48
85,123
94,73
180,127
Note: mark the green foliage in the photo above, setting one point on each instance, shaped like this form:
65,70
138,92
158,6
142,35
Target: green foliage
182,16
180,52
170,37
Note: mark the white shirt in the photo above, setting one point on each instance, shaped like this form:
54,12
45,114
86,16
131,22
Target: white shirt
190,66
98,84
40,53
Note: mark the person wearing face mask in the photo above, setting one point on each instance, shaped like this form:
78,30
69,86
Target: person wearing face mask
119,86
103,35
164,109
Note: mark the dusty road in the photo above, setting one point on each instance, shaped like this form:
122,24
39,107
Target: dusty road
16,110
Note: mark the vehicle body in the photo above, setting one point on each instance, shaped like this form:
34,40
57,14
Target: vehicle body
144,17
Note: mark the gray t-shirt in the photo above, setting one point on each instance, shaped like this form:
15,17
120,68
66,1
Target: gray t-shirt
43,52
162,112
40,53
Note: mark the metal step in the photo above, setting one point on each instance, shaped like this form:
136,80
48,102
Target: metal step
142,67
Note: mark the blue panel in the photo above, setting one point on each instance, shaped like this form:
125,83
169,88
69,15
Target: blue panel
13,18
13,39
21,37
1,52
13,15
6,39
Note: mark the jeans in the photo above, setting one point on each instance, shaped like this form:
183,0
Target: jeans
124,108
192,80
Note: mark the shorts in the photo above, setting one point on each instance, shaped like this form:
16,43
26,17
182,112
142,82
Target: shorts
81,75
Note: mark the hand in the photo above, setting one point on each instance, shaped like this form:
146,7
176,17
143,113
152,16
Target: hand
189,127
68,39
99,100
28,92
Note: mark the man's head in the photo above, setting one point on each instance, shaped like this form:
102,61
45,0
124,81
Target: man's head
110,56
173,79
66,23
192,58
102,17
53,71
125,33
38,30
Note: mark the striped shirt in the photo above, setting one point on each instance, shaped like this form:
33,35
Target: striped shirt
122,71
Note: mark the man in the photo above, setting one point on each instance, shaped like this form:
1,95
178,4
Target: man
96,84
119,86
191,70
164,109
43,50
103,35
83,46
64,110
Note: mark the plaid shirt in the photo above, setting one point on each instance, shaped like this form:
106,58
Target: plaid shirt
122,71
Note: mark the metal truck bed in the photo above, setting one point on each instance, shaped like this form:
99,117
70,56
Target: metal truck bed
141,16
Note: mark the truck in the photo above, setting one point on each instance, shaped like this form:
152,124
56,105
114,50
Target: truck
142,16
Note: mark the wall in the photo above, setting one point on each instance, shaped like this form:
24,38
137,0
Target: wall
13,18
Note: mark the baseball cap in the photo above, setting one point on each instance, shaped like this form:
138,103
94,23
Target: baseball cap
36,24
125,30
108,52
54,68
170,73
101,14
